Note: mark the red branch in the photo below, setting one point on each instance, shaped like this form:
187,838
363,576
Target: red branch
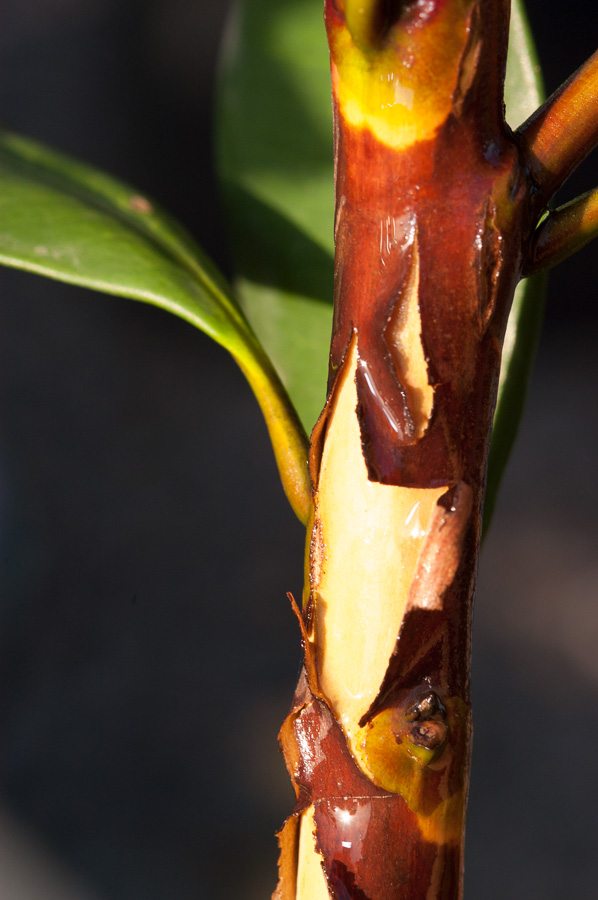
561,133
566,230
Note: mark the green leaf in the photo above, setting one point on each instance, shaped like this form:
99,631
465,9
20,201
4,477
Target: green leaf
524,86
275,159
521,341
64,220
524,92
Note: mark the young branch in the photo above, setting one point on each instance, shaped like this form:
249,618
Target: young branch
559,136
566,230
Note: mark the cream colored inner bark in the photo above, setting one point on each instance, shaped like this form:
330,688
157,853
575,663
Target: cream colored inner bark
311,881
405,333
370,538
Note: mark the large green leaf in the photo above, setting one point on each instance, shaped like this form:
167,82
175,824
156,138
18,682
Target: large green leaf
275,156
64,220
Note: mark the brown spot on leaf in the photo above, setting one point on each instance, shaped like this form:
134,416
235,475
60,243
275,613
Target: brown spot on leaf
140,204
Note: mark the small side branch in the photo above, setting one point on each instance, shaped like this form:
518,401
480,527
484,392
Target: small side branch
564,231
559,135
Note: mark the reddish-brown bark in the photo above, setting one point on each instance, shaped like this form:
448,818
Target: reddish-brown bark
368,837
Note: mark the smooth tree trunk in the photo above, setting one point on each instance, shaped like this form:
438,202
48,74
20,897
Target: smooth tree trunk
437,203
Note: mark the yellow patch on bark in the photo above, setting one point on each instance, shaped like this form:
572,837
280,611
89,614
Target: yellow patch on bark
401,91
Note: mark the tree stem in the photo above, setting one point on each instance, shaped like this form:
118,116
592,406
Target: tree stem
434,208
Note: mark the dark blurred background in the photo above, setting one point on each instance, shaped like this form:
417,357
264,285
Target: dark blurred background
147,654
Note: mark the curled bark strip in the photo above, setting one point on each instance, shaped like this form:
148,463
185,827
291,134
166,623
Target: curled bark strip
288,841
309,660
441,555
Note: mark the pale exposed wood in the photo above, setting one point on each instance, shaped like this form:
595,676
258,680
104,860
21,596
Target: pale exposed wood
311,881
369,540
405,332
